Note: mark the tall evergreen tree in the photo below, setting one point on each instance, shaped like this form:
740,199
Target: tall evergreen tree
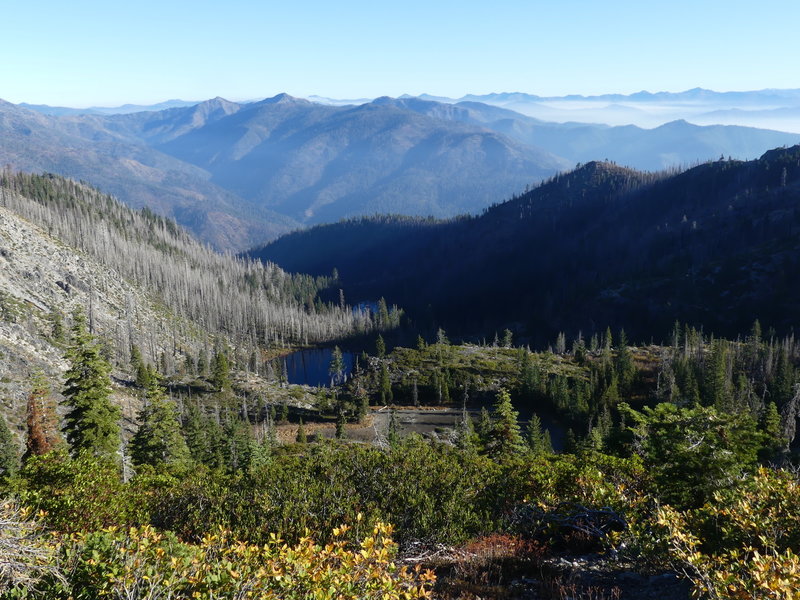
465,437
538,440
238,445
159,439
506,439
624,362
92,424
484,427
221,371
301,437
336,367
718,384
393,429
195,433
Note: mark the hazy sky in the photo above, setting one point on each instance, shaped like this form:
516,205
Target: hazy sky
82,53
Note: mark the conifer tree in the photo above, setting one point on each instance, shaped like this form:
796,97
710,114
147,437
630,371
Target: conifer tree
484,427
336,367
238,445
9,457
301,434
624,362
340,425
537,438
283,417
92,424
506,439
42,421
393,430
195,433
159,439
570,442
380,346
361,402
56,321
465,436
385,385
770,425
221,371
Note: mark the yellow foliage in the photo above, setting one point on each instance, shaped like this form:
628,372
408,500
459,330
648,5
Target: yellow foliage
150,564
752,558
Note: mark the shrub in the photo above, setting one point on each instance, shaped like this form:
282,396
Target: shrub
145,564
740,546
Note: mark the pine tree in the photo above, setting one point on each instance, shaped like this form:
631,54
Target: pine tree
136,360
221,371
301,433
159,439
283,417
380,346
538,442
385,385
340,425
770,425
465,437
56,320
393,429
42,421
624,362
195,433
336,367
361,402
237,445
506,439
484,427
9,457
570,442
718,384
92,424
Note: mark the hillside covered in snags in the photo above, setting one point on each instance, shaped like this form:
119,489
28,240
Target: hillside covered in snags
142,281
602,245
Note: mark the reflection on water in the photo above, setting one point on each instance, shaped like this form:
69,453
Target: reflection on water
310,366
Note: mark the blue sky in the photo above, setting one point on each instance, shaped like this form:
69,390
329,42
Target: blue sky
84,53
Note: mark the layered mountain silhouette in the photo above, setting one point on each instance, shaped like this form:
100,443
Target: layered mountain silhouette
241,174
716,245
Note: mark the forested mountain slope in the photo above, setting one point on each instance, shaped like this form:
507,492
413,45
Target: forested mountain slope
602,245
86,147
319,163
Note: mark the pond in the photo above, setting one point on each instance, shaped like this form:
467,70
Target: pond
310,366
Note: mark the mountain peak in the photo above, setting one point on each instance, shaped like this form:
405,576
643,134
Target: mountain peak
284,98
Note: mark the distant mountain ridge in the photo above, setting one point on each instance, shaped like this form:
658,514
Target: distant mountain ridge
273,164
241,174
716,245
